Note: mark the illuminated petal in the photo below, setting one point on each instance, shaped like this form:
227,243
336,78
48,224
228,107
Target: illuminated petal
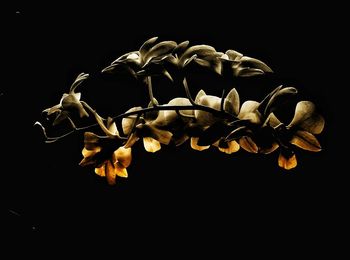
195,146
306,117
170,114
233,147
232,102
112,127
121,170
111,172
272,120
61,116
249,111
147,45
248,144
71,103
88,153
204,118
123,156
151,145
54,109
233,55
128,122
80,78
287,163
163,136
159,49
199,95
101,171
198,50
306,141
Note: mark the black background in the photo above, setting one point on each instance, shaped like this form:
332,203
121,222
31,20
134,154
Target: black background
176,196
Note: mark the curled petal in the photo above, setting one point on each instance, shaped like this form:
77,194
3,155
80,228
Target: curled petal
80,78
147,45
195,146
306,141
151,145
197,50
287,163
159,49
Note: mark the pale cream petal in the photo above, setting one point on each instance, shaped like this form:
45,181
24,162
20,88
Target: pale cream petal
249,111
287,163
306,141
195,146
233,147
151,145
123,156
113,128
101,171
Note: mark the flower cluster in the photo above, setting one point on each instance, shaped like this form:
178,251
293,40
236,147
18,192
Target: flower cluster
205,120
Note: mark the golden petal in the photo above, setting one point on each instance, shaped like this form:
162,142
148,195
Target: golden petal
111,172
306,141
101,171
233,147
248,144
121,170
123,156
287,163
195,146
88,153
151,145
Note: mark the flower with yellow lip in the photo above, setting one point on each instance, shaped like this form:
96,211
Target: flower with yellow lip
142,127
106,155
299,132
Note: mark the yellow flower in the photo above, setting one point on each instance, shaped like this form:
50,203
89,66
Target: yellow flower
299,132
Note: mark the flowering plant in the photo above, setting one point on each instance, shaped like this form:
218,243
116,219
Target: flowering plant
204,120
